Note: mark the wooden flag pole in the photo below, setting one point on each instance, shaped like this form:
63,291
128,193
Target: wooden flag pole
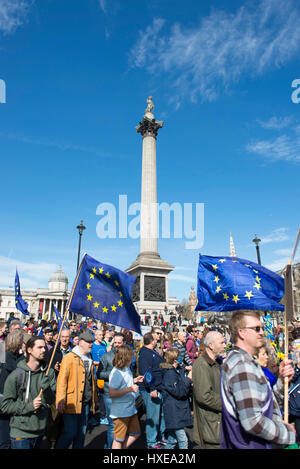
288,316
63,321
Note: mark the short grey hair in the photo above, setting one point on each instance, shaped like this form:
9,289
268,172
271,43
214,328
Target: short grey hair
210,336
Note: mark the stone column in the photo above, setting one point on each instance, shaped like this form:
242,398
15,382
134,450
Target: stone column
148,128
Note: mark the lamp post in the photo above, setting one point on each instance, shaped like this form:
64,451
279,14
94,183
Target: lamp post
80,229
256,241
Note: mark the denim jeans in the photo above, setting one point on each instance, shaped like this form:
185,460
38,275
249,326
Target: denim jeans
26,443
74,429
110,428
155,420
177,436
4,432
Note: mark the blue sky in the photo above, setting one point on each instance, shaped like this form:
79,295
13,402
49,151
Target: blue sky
77,75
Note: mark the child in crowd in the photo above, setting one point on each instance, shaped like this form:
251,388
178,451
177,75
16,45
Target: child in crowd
176,389
122,390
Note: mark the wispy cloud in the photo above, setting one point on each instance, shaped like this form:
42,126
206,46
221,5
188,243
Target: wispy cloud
48,143
32,275
277,235
182,278
276,122
203,61
284,147
13,13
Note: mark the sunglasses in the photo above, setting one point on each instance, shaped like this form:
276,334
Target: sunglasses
255,328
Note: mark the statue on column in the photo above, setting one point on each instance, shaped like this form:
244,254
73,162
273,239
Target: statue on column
150,105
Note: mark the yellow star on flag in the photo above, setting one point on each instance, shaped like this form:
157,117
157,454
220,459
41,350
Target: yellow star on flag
120,303
222,260
257,279
216,279
101,270
92,275
120,293
214,266
218,289
89,297
94,270
249,294
113,308
256,271
88,286
235,298
257,285
226,297
105,310
117,283
96,304
107,275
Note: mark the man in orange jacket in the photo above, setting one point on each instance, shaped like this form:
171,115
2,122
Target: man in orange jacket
76,393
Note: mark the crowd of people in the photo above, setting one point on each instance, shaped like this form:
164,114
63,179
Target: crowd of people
225,382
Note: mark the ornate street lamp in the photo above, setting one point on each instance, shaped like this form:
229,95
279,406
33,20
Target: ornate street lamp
80,229
256,241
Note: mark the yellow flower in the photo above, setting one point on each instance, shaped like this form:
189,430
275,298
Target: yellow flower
280,355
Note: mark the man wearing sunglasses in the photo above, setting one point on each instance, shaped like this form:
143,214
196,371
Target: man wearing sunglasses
251,417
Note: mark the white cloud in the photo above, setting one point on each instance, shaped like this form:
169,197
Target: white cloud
32,275
275,236
203,61
51,143
183,278
13,13
103,5
278,265
276,122
285,147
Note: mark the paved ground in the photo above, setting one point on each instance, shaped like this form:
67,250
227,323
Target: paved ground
96,437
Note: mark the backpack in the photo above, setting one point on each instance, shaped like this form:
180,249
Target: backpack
20,381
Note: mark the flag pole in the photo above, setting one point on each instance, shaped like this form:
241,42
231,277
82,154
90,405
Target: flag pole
286,345
64,319
288,315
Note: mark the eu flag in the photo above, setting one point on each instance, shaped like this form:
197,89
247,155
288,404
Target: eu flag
231,283
58,318
21,305
104,292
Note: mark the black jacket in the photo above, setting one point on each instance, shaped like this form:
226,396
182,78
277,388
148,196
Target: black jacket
11,360
176,389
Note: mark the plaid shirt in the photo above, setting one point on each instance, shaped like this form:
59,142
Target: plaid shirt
246,387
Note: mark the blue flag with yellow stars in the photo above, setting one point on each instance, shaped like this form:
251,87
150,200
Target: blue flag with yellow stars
104,292
21,305
58,318
230,283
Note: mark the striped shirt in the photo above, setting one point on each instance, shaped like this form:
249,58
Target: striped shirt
246,388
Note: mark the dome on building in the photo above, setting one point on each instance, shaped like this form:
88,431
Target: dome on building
58,281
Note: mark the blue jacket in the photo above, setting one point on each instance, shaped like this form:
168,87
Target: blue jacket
148,358
176,389
294,394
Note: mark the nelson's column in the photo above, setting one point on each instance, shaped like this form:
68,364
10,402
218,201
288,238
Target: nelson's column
151,287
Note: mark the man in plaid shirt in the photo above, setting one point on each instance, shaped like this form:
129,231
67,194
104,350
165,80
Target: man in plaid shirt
251,417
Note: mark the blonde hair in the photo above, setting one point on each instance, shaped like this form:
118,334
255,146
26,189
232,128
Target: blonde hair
14,341
171,355
237,321
123,357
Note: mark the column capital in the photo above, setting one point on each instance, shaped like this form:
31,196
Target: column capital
149,127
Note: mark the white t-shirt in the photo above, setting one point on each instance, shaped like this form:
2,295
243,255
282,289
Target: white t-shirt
123,406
